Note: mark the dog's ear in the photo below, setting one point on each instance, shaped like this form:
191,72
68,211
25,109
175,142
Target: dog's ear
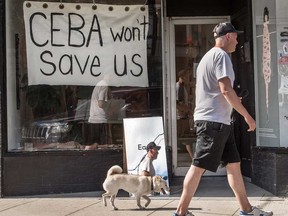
158,180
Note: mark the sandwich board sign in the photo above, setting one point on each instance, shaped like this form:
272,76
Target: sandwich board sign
138,133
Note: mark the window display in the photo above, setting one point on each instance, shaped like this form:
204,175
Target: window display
271,24
56,113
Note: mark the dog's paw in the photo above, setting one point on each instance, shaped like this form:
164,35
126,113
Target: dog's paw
115,208
147,204
104,203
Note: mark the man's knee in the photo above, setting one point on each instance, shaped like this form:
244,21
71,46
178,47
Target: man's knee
232,167
195,171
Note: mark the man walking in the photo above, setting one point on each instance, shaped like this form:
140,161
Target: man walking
215,99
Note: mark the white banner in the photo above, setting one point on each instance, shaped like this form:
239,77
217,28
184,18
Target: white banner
79,44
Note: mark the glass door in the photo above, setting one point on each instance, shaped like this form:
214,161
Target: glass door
190,39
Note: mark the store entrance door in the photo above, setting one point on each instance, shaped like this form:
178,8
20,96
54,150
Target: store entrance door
190,39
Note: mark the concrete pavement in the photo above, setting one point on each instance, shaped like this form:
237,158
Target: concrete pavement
214,197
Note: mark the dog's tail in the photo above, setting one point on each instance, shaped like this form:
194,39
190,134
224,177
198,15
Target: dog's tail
114,170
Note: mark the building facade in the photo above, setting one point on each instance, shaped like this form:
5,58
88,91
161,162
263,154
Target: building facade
51,139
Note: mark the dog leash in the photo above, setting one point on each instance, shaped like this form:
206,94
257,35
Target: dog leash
152,186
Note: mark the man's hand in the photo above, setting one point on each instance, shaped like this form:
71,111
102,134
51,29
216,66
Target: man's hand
251,123
235,101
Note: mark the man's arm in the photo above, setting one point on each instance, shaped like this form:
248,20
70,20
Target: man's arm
103,96
144,167
232,98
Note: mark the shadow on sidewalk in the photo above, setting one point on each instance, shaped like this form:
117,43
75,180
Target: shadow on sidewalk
217,186
156,209
209,187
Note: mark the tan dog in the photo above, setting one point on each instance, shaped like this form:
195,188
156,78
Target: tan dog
139,186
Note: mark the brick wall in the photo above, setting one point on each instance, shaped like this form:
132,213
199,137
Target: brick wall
269,169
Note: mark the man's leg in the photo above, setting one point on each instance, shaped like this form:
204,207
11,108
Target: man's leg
236,182
190,185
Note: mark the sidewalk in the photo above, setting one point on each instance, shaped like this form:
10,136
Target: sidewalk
214,197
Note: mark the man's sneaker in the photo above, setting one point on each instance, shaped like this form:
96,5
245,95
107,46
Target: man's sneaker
257,212
187,214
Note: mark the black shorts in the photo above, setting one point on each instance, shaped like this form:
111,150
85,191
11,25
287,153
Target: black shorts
97,133
215,145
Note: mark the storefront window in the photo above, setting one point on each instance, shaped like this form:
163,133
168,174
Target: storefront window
60,114
271,29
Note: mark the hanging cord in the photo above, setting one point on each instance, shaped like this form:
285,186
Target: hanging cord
61,6
142,8
94,6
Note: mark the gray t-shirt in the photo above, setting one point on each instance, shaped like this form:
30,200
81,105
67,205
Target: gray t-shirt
100,92
210,103
147,165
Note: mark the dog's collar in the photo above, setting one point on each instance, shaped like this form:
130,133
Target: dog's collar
152,186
